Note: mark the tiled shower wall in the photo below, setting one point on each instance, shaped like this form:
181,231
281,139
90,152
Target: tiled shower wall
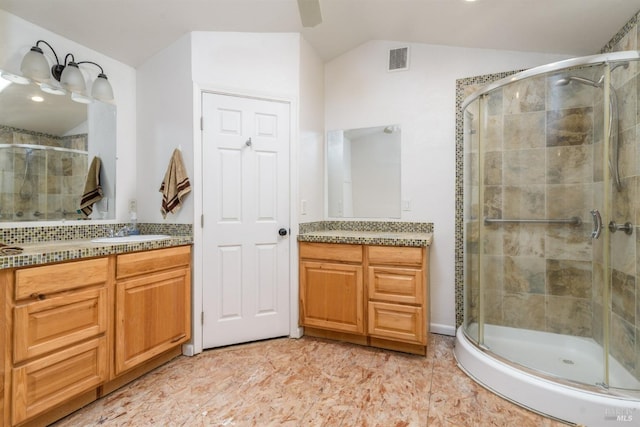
541,277
38,182
538,152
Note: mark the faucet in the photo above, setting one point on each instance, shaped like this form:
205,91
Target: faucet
123,231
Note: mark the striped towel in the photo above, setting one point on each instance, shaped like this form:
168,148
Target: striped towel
175,185
92,189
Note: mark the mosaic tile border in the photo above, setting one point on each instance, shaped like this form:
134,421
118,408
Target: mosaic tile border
386,226
57,252
626,29
461,88
65,141
378,238
26,235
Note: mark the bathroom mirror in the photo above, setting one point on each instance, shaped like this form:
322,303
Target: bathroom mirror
47,143
363,172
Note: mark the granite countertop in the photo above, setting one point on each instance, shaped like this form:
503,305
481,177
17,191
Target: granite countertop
383,238
63,250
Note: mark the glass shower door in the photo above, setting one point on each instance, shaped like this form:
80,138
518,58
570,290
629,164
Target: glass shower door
540,178
622,311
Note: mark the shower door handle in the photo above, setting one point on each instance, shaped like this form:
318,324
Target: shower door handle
597,224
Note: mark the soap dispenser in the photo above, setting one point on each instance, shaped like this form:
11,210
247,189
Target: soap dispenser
133,226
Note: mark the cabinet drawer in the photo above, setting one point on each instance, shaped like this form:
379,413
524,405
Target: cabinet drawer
50,279
331,252
49,381
395,255
396,284
147,262
397,322
48,325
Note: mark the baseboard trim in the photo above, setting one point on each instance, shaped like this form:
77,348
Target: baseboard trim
437,328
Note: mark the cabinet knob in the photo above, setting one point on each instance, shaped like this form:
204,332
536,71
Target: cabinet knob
36,295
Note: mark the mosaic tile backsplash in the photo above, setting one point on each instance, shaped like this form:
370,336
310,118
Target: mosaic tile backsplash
26,235
388,226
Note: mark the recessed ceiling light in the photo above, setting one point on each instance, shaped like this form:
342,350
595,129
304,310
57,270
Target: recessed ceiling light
37,98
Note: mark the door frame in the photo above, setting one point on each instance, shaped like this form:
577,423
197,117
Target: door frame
195,346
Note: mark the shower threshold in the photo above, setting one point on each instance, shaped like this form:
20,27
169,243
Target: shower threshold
568,357
557,398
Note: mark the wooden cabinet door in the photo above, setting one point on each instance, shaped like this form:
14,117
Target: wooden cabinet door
51,380
332,296
153,315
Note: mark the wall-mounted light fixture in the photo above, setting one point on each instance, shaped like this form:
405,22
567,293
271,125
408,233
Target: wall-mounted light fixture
35,66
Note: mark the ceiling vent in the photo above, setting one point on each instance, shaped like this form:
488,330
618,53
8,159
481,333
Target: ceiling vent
399,59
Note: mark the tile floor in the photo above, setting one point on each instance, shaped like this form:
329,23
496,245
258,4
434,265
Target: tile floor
307,382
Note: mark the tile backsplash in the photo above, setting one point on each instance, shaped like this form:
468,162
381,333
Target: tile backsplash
27,235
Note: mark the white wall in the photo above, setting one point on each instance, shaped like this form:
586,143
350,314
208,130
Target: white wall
16,38
165,122
311,144
360,92
264,64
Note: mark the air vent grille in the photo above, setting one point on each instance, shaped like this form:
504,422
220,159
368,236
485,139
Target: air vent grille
399,59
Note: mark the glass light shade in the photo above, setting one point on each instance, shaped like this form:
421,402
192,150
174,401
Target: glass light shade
82,99
4,83
35,66
52,89
102,89
14,78
72,79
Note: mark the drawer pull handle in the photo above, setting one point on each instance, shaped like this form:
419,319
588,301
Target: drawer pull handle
36,295
178,338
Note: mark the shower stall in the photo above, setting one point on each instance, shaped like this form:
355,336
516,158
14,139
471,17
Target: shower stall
41,182
551,248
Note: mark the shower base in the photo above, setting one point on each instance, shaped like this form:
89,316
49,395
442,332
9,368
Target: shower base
566,357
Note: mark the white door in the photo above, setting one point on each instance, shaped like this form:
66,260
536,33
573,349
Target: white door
245,168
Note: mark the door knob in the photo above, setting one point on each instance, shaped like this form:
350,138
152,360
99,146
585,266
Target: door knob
282,232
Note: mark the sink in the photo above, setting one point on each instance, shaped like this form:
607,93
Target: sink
135,238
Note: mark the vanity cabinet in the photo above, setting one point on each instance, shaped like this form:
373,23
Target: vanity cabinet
60,318
331,287
74,331
366,294
153,304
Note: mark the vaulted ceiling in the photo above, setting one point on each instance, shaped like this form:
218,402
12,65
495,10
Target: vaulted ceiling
133,30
